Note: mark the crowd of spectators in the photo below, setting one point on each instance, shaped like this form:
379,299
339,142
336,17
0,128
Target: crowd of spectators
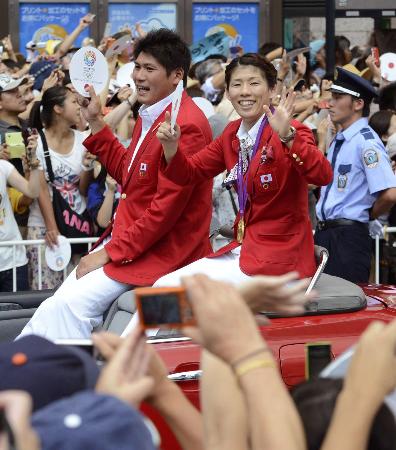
37,93
55,397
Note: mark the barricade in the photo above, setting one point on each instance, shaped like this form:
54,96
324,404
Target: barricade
90,241
39,243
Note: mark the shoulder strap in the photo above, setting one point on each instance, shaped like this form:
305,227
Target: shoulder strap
47,156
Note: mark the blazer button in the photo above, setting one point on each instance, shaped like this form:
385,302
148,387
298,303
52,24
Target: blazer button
123,196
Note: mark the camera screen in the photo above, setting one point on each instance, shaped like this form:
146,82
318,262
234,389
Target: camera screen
160,309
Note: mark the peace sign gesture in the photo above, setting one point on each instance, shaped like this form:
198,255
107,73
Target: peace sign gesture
283,114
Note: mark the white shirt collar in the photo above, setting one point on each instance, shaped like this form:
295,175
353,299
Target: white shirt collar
150,114
242,133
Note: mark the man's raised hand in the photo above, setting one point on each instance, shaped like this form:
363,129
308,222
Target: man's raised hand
169,138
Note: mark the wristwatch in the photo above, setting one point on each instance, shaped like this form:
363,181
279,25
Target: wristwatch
289,137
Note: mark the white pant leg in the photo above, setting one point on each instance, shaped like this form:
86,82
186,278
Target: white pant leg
222,268
76,307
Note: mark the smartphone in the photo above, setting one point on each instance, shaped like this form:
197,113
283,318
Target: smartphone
163,307
323,104
26,132
317,356
300,84
90,18
15,144
375,55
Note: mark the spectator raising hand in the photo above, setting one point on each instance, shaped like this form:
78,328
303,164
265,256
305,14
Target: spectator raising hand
227,329
374,359
165,396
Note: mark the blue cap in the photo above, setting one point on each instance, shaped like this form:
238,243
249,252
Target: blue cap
47,371
346,82
91,421
314,47
41,70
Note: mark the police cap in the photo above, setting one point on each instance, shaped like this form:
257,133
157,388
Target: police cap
346,82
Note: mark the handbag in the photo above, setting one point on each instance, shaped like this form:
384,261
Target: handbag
70,223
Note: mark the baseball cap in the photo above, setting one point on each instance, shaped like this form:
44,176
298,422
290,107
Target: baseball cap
90,420
47,371
7,83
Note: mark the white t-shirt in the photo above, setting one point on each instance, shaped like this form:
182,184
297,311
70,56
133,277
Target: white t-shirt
9,230
67,170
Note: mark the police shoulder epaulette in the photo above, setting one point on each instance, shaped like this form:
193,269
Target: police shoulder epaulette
367,134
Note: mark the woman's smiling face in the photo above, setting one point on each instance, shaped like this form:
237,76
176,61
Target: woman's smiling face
248,92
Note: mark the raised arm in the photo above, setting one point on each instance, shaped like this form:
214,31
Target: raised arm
30,188
102,142
299,143
184,170
70,38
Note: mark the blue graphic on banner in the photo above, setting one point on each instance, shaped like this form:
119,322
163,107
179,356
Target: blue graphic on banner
238,20
150,16
215,44
40,22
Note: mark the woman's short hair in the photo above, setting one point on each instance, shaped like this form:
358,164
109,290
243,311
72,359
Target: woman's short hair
252,59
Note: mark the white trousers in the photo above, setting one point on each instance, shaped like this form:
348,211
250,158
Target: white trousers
76,308
222,268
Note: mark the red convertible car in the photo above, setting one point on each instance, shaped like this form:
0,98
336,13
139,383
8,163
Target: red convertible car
339,315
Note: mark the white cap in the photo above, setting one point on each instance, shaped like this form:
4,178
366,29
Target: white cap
7,83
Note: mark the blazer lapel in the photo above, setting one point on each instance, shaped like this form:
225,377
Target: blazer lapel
146,141
255,163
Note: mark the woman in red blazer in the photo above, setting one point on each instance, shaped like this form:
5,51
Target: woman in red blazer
270,160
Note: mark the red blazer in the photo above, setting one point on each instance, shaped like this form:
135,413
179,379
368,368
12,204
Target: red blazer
159,226
278,235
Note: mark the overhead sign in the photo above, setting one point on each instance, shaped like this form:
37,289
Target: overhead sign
150,16
238,20
363,4
40,22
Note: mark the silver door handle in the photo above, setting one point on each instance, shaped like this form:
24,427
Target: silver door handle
186,376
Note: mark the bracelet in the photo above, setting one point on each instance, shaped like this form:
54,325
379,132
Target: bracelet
248,356
253,365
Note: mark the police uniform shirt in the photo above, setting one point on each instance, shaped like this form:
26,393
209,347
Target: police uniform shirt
361,170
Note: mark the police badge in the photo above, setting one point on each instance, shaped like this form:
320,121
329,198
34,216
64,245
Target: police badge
370,158
342,182
342,179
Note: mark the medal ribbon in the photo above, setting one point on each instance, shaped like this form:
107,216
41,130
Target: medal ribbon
241,180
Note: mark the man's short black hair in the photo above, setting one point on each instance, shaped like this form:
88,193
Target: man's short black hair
167,48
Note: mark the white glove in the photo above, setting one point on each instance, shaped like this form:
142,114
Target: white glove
376,228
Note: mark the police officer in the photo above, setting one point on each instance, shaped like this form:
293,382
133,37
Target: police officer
363,185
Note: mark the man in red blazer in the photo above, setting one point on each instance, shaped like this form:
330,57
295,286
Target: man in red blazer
279,158
159,226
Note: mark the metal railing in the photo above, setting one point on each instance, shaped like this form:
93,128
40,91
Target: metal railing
387,230
90,241
39,243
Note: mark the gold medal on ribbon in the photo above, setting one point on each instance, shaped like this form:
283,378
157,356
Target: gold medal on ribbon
240,230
